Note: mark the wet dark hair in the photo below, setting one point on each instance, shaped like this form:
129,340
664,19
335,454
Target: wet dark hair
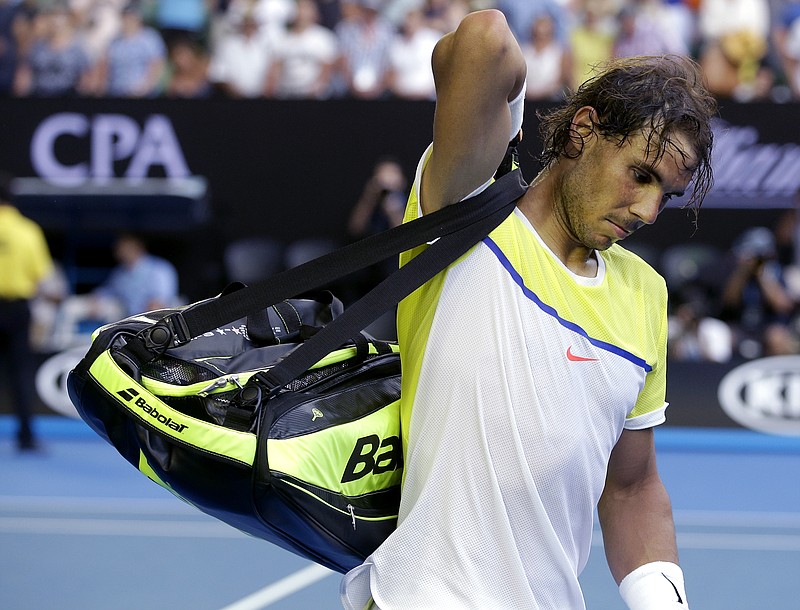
654,96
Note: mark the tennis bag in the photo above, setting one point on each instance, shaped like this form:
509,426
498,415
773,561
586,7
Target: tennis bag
266,406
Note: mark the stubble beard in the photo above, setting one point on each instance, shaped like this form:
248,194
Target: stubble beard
571,211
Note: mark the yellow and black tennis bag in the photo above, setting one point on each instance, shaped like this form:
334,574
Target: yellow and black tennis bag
266,406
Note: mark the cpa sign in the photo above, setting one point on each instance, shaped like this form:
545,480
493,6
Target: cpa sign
764,395
111,138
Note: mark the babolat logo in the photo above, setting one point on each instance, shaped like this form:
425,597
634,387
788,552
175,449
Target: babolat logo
366,458
131,395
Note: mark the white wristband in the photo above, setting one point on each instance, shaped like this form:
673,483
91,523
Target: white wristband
517,108
655,586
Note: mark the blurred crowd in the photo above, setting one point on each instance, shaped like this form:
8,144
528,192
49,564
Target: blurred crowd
370,49
739,303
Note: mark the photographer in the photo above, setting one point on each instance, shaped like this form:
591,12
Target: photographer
754,297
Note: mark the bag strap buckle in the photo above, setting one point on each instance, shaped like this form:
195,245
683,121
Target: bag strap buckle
170,331
267,382
243,407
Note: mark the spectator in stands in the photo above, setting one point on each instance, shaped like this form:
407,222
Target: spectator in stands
445,15
694,335
591,42
29,25
734,41
56,64
786,36
522,14
9,15
25,261
178,20
676,19
549,61
304,61
136,59
379,207
273,16
639,34
98,22
410,73
755,299
382,201
240,62
786,233
188,63
364,50
141,282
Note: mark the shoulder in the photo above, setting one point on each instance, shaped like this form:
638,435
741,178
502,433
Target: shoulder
152,37
157,263
630,268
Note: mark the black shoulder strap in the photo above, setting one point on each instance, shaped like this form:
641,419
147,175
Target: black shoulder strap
385,295
472,218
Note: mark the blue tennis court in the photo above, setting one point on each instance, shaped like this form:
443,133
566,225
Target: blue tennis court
81,530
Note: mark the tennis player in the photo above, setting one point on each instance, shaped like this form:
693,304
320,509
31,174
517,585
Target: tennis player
534,367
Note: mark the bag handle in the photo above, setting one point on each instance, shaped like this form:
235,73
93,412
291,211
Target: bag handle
382,297
480,213
301,316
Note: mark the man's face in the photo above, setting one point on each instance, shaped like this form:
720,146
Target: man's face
127,250
612,190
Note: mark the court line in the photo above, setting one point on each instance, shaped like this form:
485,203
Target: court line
118,527
729,518
173,506
282,588
738,542
707,541
97,505
215,529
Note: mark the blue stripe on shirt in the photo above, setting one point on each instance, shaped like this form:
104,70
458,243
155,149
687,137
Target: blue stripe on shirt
549,310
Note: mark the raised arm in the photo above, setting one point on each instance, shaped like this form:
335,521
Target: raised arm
478,69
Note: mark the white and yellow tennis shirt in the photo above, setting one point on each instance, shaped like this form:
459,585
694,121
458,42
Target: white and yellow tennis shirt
518,379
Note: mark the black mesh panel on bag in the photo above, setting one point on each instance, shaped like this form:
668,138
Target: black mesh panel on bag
315,376
176,372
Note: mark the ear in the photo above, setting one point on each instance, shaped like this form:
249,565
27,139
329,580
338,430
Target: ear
582,128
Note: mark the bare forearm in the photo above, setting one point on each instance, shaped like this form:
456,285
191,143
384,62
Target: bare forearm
637,525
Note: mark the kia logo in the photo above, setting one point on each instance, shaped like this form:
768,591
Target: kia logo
764,395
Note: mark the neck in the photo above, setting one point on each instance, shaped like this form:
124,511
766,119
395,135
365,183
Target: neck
544,208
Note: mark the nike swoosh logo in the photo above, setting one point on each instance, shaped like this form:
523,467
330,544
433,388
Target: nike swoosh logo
574,358
680,599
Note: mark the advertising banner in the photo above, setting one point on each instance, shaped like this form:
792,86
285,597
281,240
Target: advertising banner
293,170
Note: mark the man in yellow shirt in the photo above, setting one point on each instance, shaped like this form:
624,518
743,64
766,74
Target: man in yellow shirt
24,261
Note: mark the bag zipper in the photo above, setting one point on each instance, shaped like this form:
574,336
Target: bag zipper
217,384
350,511
233,381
